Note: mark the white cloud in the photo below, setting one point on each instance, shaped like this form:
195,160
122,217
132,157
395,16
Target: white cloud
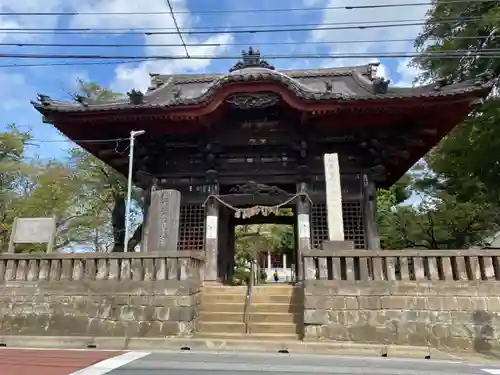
407,73
138,77
396,14
20,22
15,92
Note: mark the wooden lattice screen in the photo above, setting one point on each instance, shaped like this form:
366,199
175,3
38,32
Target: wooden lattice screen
354,229
192,227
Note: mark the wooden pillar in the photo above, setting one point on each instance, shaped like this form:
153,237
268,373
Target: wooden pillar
223,253
370,214
304,234
231,245
211,240
163,223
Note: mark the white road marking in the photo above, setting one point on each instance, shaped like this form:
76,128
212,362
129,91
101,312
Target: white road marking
110,364
493,371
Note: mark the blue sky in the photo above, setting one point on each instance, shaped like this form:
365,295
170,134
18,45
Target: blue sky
20,84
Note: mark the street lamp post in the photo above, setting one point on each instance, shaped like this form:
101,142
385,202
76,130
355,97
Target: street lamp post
133,134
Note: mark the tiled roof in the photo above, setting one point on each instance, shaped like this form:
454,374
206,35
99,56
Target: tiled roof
338,84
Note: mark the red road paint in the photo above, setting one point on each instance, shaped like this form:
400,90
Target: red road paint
49,362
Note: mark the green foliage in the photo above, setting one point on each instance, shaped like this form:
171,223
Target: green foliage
472,26
241,275
437,219
86,196
12,171
460,199
252,239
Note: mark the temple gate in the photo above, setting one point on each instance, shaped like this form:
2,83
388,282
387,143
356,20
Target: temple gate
236,144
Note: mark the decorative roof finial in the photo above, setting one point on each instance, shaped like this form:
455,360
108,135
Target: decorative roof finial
251,59
43,99
380,85
136,96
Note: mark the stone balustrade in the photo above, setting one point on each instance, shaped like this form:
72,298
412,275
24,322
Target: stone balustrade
405,265
149,266
150,294
437,298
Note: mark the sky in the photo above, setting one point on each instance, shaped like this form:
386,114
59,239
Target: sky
21,84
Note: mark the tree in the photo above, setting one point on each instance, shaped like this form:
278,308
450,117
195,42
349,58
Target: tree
459,26
437,219
466,160
34,188
86,196
465,165
108,185
12,169
105,191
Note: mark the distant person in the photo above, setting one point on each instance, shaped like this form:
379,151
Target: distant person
276,276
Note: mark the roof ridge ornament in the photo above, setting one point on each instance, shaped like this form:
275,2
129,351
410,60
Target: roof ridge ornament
372,69
136,97
44,99
83,100
251,59
380,85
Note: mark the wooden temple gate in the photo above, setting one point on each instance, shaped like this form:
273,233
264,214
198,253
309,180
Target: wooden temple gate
256,136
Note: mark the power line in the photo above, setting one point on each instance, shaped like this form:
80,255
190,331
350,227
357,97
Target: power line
270,10
493,53
229,28
76,140
372,41
82,63
444,54
247,31
177,27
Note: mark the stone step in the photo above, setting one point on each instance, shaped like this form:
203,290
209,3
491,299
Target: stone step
258,328
206,316
261,337
256,308
256,298
281,290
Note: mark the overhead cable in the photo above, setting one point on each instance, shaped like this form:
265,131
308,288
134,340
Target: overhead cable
318,42
494,54
109,140
211,32
230,28
174,19
258,10
344,55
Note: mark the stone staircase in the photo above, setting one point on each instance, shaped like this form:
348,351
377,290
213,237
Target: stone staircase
276,312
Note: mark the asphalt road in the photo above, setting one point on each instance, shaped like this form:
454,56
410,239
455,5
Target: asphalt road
222,363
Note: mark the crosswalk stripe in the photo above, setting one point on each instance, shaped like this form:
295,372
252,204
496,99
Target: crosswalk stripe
493,371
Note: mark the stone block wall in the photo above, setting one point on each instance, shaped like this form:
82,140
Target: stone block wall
116,308
100,294
462,315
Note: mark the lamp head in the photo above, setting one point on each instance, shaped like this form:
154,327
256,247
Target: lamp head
135,133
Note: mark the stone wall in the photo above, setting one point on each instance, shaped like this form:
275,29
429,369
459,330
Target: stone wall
461,315
440,298
121,295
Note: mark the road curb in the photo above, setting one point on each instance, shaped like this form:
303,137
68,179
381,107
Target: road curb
243,344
